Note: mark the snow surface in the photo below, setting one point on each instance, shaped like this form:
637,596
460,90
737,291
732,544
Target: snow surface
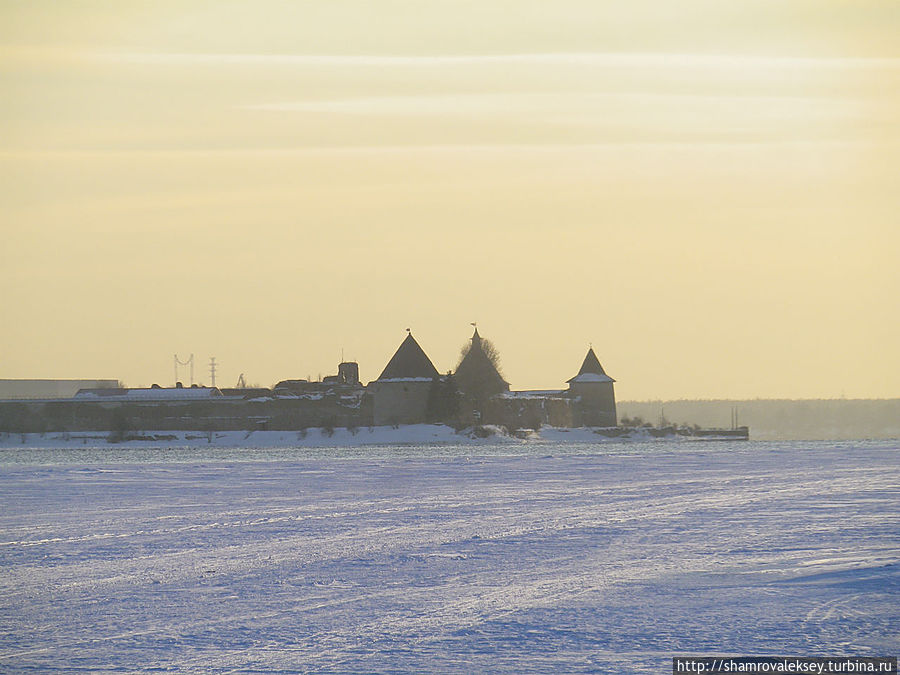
405,434
311,438
515,557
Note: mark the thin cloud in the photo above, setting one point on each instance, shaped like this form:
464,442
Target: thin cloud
498,149
504,103
617,59
613,114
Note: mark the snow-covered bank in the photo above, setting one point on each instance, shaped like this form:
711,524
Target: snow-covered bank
409,434
314,437
611,561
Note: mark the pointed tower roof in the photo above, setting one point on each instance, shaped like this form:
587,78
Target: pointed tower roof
591,370
409,362
476,373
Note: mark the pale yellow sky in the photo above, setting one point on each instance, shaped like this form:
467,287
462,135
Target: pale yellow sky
706,191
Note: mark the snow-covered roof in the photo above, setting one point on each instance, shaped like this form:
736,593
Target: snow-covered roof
591,370
592,377
534,393
148,395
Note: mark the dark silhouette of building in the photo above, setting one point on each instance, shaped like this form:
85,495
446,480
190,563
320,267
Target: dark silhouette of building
477,378
348,373
593,391
401,391
409,390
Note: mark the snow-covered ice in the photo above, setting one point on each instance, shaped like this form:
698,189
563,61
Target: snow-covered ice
545,557
340,438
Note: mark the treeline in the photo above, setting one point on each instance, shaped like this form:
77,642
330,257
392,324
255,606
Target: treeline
779,419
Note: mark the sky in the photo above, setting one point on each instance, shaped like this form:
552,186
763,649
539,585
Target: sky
706,192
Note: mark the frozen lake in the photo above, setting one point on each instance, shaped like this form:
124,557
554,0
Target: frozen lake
530,558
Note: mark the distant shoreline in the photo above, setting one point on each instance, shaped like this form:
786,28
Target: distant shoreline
779,419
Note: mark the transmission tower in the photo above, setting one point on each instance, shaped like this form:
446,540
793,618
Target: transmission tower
188,362
212,370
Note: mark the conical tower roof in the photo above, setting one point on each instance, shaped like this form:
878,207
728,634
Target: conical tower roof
476,373
409,362
591,370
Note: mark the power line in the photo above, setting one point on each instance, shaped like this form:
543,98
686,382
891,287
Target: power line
188,362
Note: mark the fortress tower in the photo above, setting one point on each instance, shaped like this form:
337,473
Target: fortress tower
401,391
476,376
593,390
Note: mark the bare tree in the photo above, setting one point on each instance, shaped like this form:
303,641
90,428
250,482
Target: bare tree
492,353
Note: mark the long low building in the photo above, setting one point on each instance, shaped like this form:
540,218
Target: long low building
18,390
154,394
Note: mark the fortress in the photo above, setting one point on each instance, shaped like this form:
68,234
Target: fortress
409,390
